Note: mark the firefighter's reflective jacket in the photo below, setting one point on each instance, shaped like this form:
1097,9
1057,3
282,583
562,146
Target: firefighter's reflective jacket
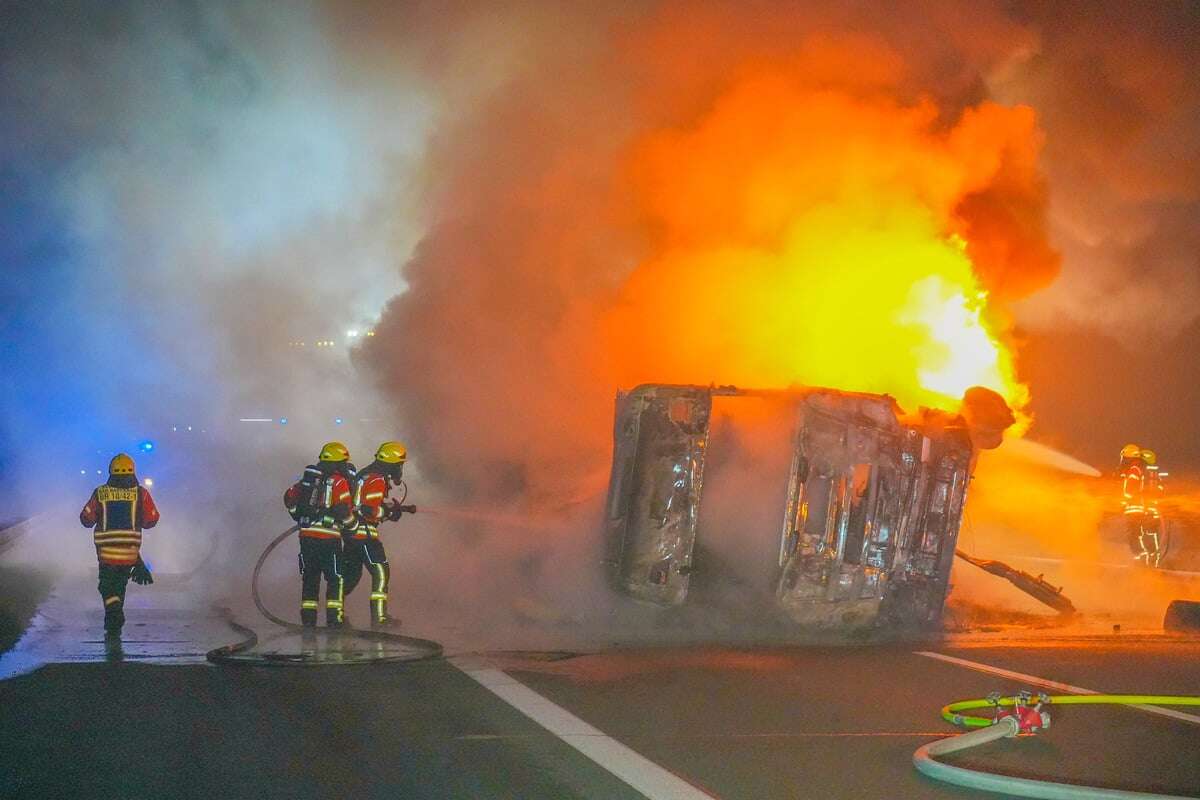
1153,490
321,502
118,512
1141,488
370,496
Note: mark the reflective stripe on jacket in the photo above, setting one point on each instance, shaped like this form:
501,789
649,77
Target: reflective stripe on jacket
118,515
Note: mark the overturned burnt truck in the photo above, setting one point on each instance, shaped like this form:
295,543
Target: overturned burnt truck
874,499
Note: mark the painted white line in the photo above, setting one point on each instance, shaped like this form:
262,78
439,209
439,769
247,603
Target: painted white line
648,778
1049,684
731,736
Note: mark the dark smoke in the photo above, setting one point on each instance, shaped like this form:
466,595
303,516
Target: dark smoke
190,187
493,353
1117,89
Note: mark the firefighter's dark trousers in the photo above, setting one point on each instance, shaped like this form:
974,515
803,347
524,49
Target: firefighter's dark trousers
1146,537
369,554
320,557
113,580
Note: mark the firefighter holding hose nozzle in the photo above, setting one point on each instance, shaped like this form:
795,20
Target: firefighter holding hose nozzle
118,511
321,503
364,549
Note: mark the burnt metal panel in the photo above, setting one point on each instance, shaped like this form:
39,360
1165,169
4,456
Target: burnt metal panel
843,509
659,443
871,519
922,580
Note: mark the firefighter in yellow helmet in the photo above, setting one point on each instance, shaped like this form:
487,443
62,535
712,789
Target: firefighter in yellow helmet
1141,490
118,511
364,549
321,503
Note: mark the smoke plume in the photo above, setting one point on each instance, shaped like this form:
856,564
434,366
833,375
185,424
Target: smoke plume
698,193
198,188
532,205
1118,93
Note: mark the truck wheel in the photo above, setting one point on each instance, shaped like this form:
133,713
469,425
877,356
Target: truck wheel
1183,616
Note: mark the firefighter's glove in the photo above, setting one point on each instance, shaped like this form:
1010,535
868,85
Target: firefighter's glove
141,574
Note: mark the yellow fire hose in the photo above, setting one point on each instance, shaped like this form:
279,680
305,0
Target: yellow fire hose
951,715
987,729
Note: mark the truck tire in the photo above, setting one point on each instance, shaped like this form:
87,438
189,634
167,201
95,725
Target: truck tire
1183,616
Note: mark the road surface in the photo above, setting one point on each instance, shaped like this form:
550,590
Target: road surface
153,719
724,722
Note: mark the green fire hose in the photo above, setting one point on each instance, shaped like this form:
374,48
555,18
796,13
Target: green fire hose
990,729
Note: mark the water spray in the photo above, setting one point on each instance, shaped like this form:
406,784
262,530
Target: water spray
482,515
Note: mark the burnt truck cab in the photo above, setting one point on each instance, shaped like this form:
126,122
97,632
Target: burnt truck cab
875,498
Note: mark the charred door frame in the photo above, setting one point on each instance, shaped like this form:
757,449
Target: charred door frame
652,515
901,574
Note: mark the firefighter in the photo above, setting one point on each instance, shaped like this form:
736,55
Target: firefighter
1132,472
321,503
118,511
363,547
1141,490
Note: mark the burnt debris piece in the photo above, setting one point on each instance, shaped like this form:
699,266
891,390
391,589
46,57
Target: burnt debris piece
874,501
1038,588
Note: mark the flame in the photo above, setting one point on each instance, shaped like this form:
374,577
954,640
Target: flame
811,235
961,350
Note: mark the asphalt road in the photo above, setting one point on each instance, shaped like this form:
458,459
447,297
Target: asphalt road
144,731
843,722
783,722
154,720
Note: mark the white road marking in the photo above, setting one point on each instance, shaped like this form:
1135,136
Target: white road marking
1049,684
648,778
729,736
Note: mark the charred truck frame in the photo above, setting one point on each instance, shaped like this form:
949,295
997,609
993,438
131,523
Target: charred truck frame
875,498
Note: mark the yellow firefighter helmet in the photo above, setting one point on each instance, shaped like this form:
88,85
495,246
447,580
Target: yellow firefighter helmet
1149,457
1131,451
334,451
392,453
121,464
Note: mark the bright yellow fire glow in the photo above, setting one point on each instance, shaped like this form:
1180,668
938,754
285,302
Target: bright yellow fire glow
875,304
960,352
812,238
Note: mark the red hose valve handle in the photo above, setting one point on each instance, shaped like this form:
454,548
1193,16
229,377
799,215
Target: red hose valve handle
1030,710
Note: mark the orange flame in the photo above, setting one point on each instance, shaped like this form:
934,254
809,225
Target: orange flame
810,235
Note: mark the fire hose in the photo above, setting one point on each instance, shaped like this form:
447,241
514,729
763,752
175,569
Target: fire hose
414,649
1023,715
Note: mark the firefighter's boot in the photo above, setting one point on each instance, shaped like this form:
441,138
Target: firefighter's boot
381,575
114,617
334,613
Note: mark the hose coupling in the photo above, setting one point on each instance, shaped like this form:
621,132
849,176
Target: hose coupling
1029,709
